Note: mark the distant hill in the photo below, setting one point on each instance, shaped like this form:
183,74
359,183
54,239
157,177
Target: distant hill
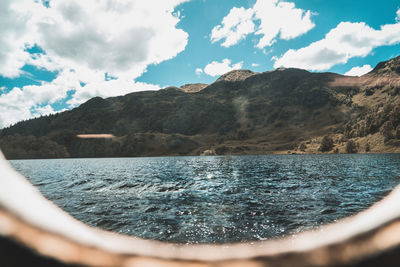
281,111
236,75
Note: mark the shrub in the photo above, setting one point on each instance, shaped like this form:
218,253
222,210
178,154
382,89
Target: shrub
398,132
302,147
367,148
351,147
326,144
387,131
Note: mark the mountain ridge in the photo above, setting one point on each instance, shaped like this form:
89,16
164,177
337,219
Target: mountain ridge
388,67
242,112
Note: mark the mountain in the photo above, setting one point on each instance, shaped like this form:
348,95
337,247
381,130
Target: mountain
390,67
193,88
236,75
242,112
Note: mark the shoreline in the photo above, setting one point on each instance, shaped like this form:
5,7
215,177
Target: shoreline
278,153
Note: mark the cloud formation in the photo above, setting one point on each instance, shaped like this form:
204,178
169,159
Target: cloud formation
118,37
199,71
347,40
14,31
280,18
359,71
277,19
34,100
235,27
90,40
216,68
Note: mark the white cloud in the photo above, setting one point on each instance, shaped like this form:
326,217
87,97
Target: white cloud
108,89
216,68
199,71
42,61
398,15
255,65
359,71
346,41
235,27
45,110
280,18
118,37
14,33
83,41
276,19
33,100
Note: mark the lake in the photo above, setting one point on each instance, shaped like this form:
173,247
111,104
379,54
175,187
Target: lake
214,199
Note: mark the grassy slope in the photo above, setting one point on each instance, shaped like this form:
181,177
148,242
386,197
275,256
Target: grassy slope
283,111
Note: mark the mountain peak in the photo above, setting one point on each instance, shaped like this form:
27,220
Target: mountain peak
391,66
193,87
236,75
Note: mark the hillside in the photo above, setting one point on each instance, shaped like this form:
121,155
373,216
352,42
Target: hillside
281,111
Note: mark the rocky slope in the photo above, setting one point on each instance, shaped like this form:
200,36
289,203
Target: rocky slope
281,111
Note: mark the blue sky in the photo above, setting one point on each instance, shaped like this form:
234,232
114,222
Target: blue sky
200,51
56,55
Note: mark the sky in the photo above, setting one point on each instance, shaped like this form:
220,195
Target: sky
55,55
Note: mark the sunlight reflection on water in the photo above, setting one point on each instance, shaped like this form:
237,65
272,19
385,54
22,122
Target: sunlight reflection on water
214,199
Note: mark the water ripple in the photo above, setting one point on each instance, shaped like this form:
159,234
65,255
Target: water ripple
214,199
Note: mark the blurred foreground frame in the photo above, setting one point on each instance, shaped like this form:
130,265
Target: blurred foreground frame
35,232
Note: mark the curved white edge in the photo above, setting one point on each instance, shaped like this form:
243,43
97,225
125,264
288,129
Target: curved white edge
22,199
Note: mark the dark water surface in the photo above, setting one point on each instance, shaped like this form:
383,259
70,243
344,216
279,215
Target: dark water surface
214,199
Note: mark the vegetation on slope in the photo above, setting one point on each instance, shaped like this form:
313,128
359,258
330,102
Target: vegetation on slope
281,111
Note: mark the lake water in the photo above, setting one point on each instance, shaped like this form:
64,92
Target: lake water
214,199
